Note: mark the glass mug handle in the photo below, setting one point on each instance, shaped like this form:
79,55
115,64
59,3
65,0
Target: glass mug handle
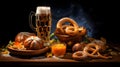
30,21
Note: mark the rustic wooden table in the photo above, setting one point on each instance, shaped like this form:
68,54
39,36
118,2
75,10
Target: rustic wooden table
7,59
41,60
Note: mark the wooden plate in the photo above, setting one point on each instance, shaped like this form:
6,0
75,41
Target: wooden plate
27,52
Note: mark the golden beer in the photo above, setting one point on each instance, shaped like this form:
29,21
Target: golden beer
43,21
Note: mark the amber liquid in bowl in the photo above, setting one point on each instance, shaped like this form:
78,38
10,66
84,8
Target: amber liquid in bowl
58,49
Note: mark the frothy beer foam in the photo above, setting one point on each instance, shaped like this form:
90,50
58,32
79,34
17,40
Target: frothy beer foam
43,10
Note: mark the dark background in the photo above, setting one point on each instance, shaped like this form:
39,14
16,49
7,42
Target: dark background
103,14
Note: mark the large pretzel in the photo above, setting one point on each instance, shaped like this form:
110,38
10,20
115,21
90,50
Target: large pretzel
71,30
91,50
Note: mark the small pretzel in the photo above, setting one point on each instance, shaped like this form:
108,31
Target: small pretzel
79,55
82,31
70,30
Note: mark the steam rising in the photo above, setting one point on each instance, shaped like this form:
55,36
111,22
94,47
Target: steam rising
76,13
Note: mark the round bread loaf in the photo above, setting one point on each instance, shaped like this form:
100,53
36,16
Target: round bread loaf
21,36
33,43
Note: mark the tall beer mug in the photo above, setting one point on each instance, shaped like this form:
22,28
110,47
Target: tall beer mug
42,24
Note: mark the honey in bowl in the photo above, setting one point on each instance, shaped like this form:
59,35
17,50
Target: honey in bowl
58,49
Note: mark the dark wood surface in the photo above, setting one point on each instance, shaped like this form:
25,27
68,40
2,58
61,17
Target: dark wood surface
8,59
41,60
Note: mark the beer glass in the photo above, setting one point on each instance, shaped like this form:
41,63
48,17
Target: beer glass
42,22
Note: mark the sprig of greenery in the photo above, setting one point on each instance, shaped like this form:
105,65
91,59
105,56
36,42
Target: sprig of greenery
52,35
10,43
4,47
